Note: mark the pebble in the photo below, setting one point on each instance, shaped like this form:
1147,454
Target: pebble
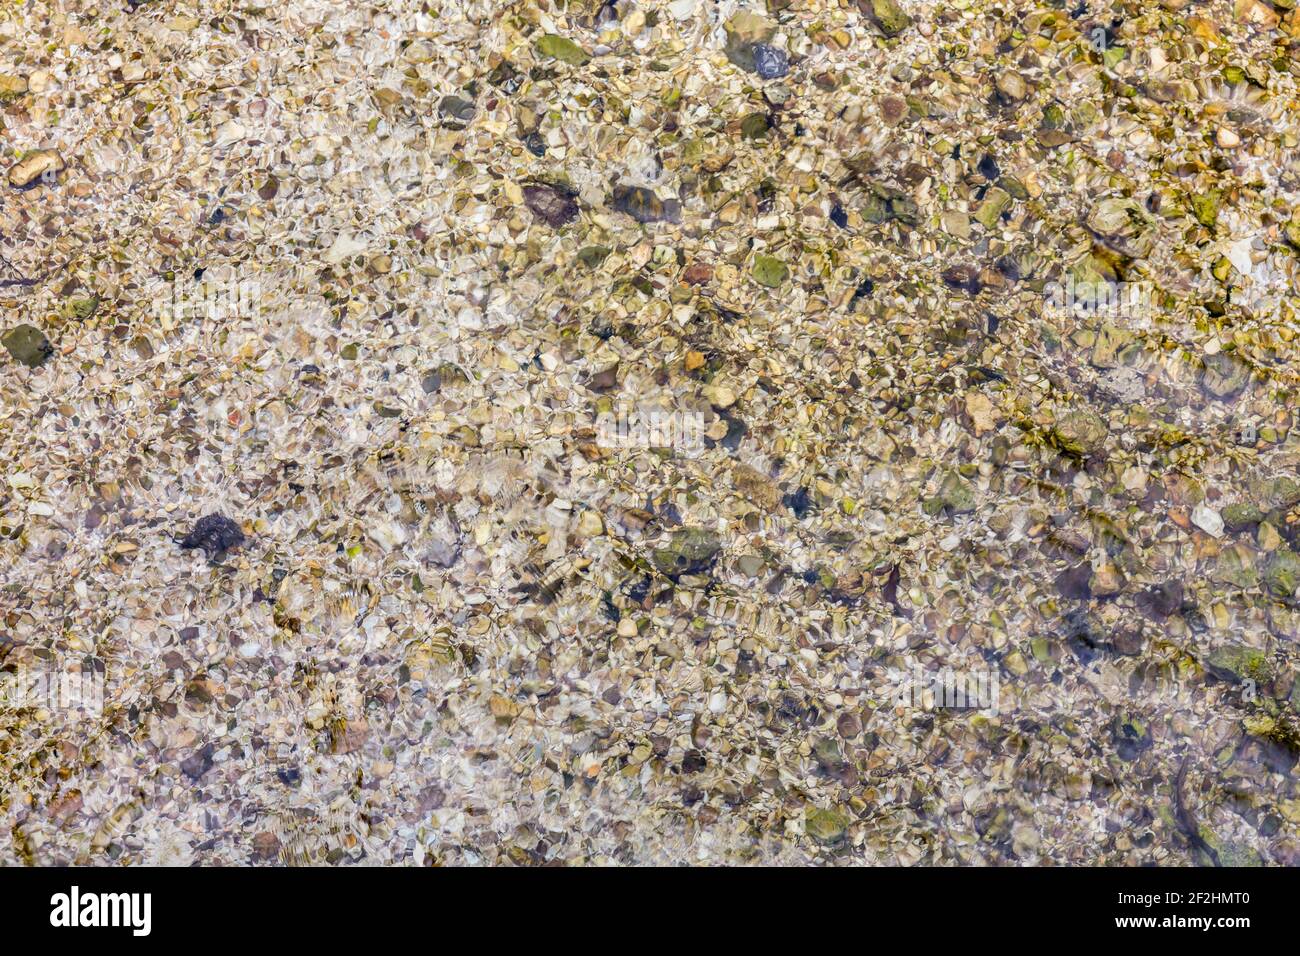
1208,520
1011,87
769,62
554,205
215,534
1227,138
27,344
44,164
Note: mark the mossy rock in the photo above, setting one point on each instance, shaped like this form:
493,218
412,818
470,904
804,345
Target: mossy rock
81,309
884,203
1236,663
562,49
825,825
1205,207
996,202
1225,374
754,126
1282,574
956,494
889,16
1236,566
1241,516
770,271
1080,431
1292,232
1238,854
1051,131
1015,187
689,551
1094,271
1282,491
1226,852
28,345
1109,345
593,256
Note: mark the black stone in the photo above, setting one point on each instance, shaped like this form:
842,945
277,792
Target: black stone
198,763
1074,583
506,78
693,762
644,206
215,534
1161,600
554,205
535,144
963,277
800,502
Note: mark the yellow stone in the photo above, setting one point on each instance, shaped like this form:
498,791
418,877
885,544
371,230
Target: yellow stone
720,395
44,162
1291,810
590,524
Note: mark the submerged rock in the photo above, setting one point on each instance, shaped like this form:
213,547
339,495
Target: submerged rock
215,534
40,165
996,202
1075,583
562,49
456,110
1081,431
11,87
956,495
1281,491
769,62
1236,566
689,551
884,202
825,825
887,14
1236,663
745,32
964,278
1292,231
1159,601
770,271
1241,516
1107,580
1282,574
1124,226
1011,87
799,501
1225,374
1205,207
644,206
28,345
554,205
1131,735
80,309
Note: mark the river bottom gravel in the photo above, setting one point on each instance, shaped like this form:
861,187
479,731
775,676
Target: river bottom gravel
801,432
